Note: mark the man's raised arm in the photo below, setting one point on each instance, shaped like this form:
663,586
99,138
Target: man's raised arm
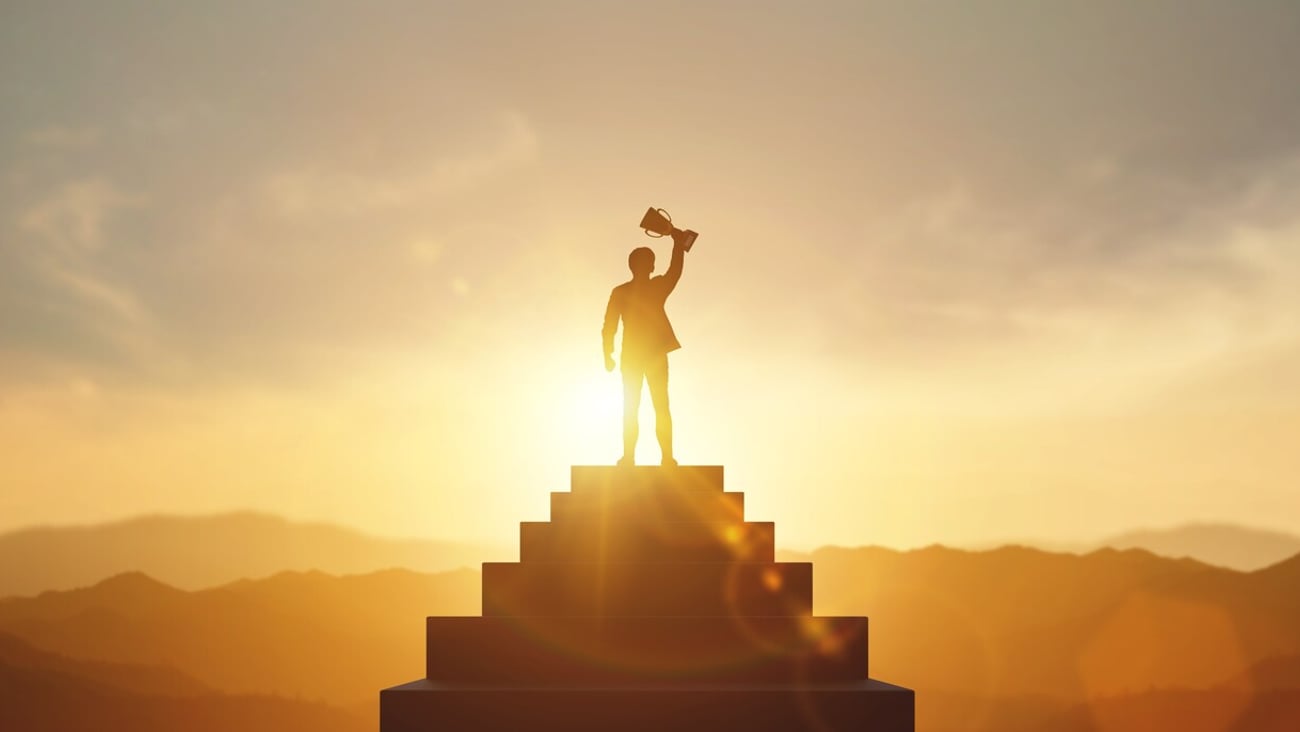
674,272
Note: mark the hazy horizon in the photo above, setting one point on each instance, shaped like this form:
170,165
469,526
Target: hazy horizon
1206,538
968,272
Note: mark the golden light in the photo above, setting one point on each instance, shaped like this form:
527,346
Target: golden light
581,414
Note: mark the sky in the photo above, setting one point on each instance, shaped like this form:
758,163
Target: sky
967,272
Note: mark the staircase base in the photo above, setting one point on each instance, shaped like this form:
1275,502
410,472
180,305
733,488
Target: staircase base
862,706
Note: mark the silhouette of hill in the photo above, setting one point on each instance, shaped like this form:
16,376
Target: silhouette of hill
1221,709
311,635
1213,710
1028,622
1013,638
256,545
47,701
140,679
42,691
178,550
1223,545
1287,570
1273,674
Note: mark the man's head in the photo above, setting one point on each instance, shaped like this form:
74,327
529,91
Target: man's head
641,261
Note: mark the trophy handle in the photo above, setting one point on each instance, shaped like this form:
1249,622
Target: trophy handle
654,235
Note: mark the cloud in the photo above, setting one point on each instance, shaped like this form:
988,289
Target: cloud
985,184
256,277
332,189
62,306
71,218
974,255
59,137
903,206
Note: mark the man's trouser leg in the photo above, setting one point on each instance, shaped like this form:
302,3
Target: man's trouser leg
633,376
656,376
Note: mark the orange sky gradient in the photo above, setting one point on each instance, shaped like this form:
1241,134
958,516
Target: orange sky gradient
966,272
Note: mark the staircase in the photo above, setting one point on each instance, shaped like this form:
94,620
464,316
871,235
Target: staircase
646,603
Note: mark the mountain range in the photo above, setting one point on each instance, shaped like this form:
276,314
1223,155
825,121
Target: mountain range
250,545
46,692
1219,544
298,634
1012,638
1223,545
193,552
1027,622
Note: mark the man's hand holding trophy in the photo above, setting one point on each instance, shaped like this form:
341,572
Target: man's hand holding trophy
657,223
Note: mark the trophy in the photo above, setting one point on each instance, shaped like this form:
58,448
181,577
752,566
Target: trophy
657,223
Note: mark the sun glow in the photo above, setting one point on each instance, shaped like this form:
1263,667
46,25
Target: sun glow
583,418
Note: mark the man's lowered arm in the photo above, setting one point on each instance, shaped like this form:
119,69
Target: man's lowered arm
612,314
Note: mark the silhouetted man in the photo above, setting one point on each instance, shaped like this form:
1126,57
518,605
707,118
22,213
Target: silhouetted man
647,339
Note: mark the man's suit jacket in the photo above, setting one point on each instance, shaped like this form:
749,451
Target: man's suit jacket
647,334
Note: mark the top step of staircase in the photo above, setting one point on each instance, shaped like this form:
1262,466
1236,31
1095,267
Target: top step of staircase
595,478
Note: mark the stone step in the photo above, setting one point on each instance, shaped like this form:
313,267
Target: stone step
642,507
425,705
603,478
725,541
647,588
622,650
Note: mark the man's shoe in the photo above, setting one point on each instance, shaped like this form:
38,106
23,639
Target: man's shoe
626,462
668,462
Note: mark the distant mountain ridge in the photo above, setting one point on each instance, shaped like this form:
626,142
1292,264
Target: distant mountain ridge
193,552
131,678
1223,545
1020,638
301,634
196,552
1070,626
42,691
1230,546
1032,622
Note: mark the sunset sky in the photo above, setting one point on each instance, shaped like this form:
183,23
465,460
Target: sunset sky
967,272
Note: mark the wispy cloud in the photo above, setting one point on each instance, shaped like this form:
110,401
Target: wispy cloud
70,304
970,207
71,218
330,188
59,137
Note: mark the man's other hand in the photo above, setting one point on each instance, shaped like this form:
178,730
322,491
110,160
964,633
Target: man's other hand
609,362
